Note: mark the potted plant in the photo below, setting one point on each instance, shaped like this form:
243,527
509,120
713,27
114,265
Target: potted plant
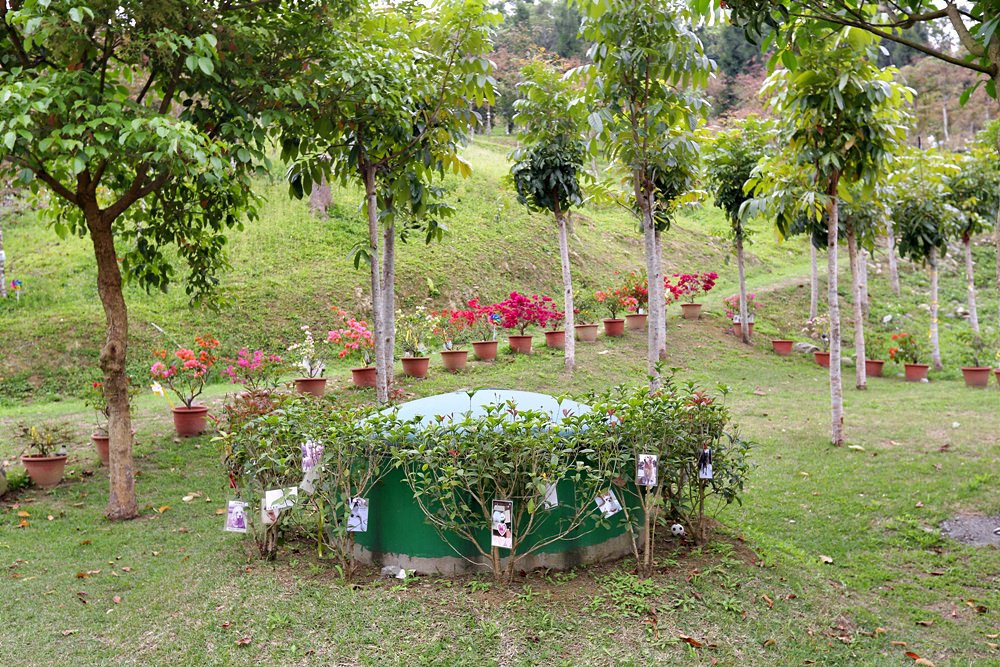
613,302
484,329
258,371
635,290
312,366
44,454
413,331
519,311
818,329
355,340
874,367
908,351
586,314
732,305
782,346
976,353
185,376
689,286
454,328
95,399
554,337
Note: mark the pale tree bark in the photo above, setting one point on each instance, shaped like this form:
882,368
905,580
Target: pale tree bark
569,320
836,388
863,256
661,324
3,267
813,283
381,373
654,274
890,237
121,500
970,283
389,300
860,372
996,241
741,269
935,344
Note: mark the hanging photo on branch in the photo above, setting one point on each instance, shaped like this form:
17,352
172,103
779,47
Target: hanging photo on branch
357,522
503,513
646,469
705,463
608,504
551,500
311,454
279,499
236,517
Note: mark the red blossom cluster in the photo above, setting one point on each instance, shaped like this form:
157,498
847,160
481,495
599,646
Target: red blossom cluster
519,311
689,285
453,326
187,375
354,338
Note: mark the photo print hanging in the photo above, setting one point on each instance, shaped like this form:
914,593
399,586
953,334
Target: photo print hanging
608,504
236,516
357,522
646,469
502,524
705,463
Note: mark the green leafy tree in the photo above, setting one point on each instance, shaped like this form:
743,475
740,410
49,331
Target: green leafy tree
145,122
843,123
391,116
732,155
548,165
646,62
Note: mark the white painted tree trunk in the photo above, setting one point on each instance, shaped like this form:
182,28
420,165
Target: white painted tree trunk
860,372
569,321
654,275
389,299
890,236
813,283
863,256
935,344
836,388
996,241
970,283
381,386
3,268
661,325
741,269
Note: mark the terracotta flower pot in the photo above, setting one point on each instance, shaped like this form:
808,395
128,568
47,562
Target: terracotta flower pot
915,372
691,311
997,373
314,386
736,329
586,333
45,471
782,347
521,344
636,321
614,328
363,377
454,360
416,367
822,358
190,421
555,339
102,445
976,376
873,368
485,350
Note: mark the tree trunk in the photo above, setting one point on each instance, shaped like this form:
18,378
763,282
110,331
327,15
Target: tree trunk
970,283
890,237
567,277
654,275
863,256
3,268
860,374
935,344
121,500
996,241
836,390
381,373
389,300
741,268
661,324
813,283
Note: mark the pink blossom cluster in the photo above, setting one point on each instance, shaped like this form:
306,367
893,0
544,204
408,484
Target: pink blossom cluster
354,338
519,311
689,285
186,377
254,370
732,304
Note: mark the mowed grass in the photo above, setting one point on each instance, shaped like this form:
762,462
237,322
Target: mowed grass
759,593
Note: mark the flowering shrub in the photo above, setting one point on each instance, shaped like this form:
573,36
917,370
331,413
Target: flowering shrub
614,301
732,304
905,348
414,331
585,308
487,319
519,311
256,371
189,369
311,364
354,338
454,327
818,328
690,285
95,399
635,287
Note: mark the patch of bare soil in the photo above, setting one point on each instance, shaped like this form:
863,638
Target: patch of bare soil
976,530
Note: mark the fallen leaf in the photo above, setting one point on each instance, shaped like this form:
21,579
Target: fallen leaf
82,575
769,642
225,626
926,624
791,596
912,655
897,643
919,504
221,510
67,633
163,509
996,636
936,573
126,569
23,514
51,518
825,559
769,601
923,661
879,631
243,641
24,524
691,640
857,448
117,599
803,473
84,543
182,530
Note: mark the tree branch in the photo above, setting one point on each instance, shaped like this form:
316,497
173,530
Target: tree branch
968,41
48,179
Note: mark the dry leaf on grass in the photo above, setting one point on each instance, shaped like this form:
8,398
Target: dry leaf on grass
691,640
825,559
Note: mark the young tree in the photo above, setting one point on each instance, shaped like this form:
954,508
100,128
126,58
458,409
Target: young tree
860,217
646,61
547,166
145,121
843,120
390,117
729,164
926,219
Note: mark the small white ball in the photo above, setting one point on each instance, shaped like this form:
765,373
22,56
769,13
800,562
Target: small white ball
677,529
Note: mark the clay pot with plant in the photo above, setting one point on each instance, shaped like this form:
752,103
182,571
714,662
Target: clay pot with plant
818,329
909,352
186,374
732,306
312,381
585,309
356,341
94,398
484,329
414,331
614,302
453,328
687,287
977,351
520,311
44,452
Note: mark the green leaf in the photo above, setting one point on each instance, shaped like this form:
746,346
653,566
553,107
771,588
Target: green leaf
206,65
788,60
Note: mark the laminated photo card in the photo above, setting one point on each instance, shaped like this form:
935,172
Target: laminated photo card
551,500
274,501
503,512
646,469
705,463
608,504
312,452
357,522
236,516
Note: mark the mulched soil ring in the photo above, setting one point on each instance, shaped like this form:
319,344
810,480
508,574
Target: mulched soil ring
978,531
